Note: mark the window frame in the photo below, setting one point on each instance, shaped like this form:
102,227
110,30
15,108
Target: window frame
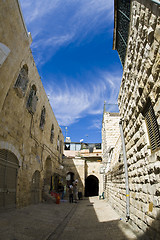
152,126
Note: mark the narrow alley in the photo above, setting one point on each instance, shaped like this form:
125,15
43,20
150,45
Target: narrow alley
90,218
80,121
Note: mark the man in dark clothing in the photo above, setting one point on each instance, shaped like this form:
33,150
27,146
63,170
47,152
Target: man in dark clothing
70,194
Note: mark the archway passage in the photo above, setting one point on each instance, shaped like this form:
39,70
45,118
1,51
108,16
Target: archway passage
91,186
8,178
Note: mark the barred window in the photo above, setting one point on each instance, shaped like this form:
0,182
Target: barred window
152,126
52,133
22,81
32,100
43,115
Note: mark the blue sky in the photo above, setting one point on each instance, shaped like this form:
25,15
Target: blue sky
72,48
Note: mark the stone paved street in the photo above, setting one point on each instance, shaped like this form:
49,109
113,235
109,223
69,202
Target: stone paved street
94,219
90,219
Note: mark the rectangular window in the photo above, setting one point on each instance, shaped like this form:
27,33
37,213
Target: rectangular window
152,126
67,146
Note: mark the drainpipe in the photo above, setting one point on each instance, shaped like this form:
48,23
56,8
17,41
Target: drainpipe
126,171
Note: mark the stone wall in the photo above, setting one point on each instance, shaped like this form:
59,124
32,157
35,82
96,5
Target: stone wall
77,167
25,126
141,80
110,133
93,168
82,169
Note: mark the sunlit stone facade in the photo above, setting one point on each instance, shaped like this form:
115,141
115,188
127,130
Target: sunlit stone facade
139,104
31,141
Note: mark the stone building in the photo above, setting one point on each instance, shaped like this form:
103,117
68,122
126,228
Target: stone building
82,161
111,146
111,140
137,40
31,141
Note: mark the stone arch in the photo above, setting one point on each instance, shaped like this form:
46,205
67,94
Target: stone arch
9,165
11,148
91,186
35,188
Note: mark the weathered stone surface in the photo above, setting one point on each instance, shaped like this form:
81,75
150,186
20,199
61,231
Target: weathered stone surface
20,133
140,80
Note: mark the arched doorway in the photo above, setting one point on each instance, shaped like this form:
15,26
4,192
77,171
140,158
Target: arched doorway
35,188
8,178
91,186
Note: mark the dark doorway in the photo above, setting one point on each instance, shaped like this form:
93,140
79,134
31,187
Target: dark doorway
8,179
91,186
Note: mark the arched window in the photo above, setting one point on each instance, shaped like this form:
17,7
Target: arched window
52,133
22,81
43,115
32,100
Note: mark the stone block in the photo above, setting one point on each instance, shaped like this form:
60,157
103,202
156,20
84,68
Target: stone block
157,33
148,220
145,188
151,189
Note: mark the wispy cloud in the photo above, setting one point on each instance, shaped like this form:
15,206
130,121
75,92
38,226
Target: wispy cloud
35,10
96,123
76,101
54,24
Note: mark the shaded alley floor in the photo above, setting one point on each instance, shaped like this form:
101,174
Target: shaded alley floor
90,219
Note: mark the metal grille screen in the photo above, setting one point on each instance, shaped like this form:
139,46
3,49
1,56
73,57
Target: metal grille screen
153,129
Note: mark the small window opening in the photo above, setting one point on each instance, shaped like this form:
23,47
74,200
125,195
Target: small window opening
67,146
52,133
58,143
22,81
32,100
42,121
61,146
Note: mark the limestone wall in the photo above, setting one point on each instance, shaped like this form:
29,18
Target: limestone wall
93,168
110,133
77,167
22,131
140,80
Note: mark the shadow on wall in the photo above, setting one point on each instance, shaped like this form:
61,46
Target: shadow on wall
153,231
74,170
152,226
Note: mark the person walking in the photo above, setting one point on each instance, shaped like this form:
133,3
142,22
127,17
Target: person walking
70,194
75,191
